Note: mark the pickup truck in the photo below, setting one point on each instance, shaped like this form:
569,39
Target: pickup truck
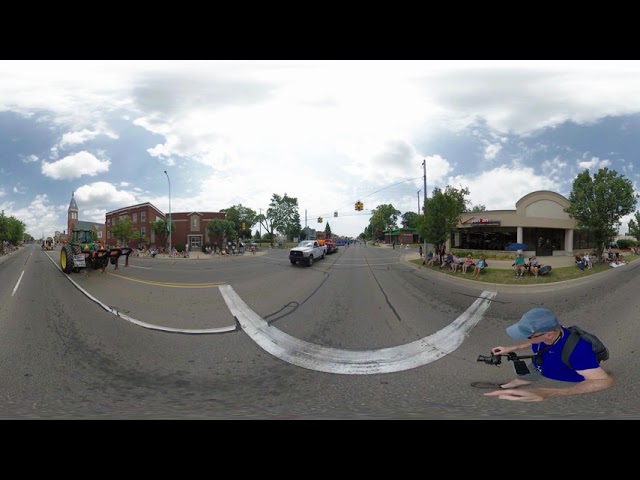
306,252
330,244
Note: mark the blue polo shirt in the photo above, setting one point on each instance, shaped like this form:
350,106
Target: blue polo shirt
552,366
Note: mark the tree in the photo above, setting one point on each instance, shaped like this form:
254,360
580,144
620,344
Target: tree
238,215
411,219
124,231
634,227
476,208
327,231
282,216
384,217
11,230
224,229
597,204
160,229
443,212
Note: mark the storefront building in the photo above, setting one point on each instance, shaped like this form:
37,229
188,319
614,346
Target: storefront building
539,222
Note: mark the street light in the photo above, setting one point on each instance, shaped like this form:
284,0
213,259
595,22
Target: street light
169,223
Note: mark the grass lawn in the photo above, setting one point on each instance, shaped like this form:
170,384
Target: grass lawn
507,276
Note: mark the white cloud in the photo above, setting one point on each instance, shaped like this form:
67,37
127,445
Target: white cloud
594,164
75,166
325,132
491,150
102,195
30,158
74,138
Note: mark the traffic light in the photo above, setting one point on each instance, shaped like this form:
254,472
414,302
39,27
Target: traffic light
319,219
243,227
335,214
359,206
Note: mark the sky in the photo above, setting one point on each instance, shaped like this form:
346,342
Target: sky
328,133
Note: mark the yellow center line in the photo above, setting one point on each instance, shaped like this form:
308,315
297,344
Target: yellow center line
169,284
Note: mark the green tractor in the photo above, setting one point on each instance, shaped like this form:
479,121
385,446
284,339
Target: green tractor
83,251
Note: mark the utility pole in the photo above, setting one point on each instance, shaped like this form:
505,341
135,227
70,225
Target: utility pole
424,168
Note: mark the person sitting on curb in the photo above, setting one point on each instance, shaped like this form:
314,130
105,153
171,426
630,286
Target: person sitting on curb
477,270
534,265
546,337
429,259
519,266
446,261
467,263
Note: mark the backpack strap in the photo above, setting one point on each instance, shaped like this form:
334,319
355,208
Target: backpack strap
569,346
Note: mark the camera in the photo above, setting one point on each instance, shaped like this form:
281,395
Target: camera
518,364
491,359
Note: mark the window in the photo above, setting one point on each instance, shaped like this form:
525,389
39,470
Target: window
134,217
109,221
108,233
143,231
143,216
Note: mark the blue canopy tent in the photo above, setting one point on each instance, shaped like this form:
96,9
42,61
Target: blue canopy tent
516,246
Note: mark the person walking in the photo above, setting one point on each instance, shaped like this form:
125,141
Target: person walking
542,332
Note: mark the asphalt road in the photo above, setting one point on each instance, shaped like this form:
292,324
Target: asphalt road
362,334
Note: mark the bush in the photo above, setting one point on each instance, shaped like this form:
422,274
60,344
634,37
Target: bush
626,243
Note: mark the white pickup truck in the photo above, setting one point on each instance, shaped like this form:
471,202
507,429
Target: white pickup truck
306,252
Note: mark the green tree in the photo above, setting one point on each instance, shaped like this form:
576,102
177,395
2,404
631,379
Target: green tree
124,231
476,208
410,219
634,226
282,216
598,203
327,231
294,228
159,227
443,212
384,217
238,215
224,229
11,230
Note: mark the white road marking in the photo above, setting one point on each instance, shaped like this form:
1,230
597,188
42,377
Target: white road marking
360,362
15,289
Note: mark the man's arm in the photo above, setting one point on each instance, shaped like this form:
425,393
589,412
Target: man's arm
595,380
513,348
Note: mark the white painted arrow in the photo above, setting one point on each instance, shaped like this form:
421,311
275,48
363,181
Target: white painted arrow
359,362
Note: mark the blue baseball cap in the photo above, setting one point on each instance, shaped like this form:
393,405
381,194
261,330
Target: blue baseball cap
536,320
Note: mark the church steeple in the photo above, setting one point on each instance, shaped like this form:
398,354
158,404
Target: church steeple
72,213
73,205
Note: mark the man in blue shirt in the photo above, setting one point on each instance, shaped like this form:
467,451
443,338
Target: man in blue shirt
546,337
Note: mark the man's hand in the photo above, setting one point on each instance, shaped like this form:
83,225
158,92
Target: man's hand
533,395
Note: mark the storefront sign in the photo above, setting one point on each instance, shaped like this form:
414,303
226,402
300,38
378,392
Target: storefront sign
485,221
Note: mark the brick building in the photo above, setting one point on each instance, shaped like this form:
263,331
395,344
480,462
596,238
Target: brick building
142,216
190,228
